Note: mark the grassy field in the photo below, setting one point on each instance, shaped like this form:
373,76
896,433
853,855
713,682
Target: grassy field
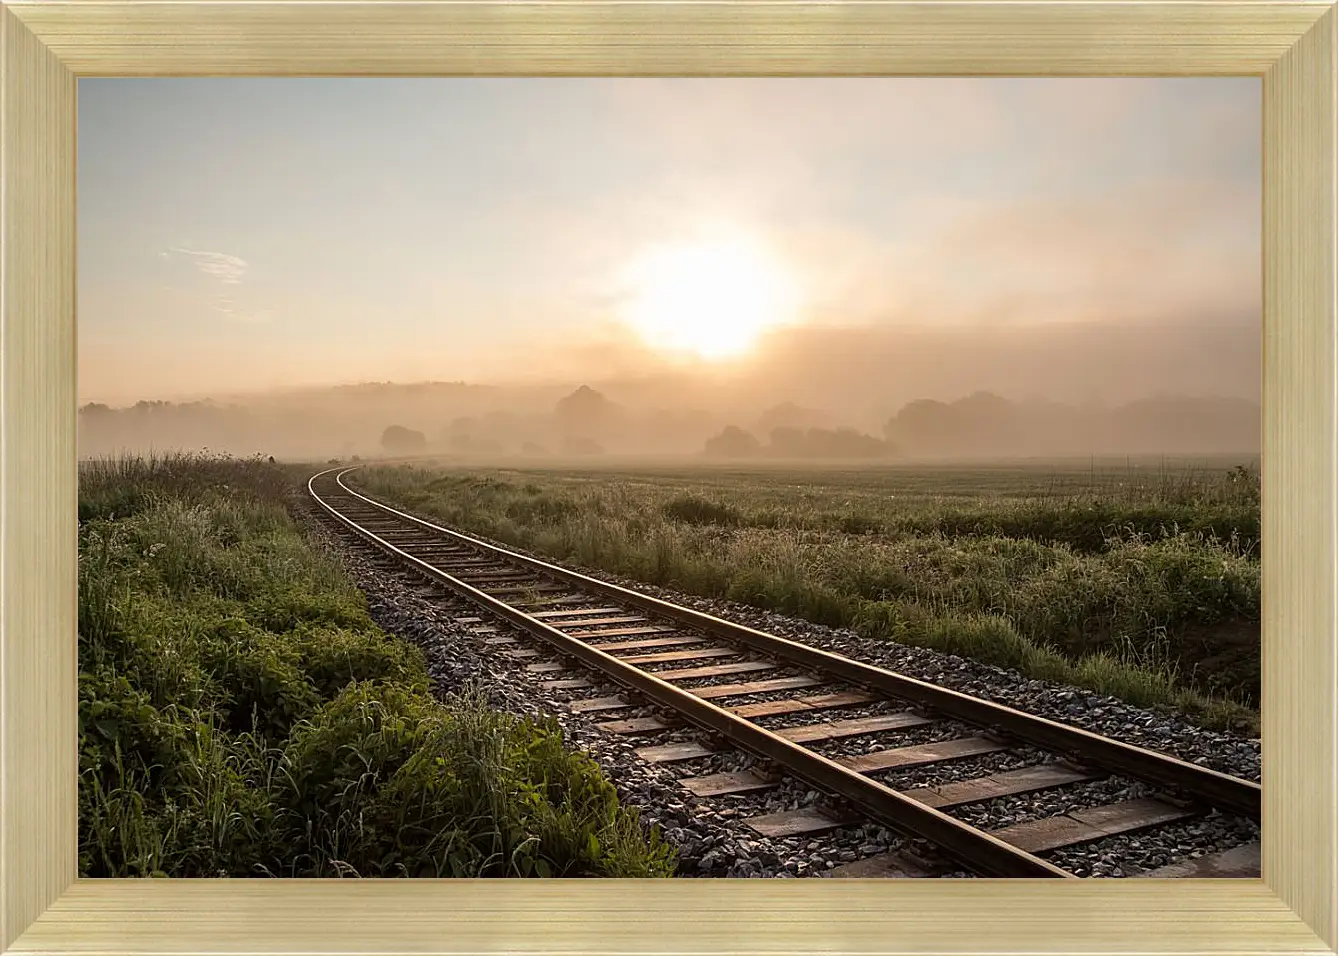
1137,579
241,715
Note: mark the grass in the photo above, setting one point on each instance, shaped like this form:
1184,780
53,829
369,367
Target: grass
241,715
1142,582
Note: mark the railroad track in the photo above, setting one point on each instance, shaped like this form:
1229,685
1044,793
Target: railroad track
677,659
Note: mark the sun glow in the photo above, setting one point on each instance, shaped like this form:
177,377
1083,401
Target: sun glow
713,298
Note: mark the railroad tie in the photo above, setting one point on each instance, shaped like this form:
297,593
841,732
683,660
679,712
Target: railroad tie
634,725
718,691
795,705
673,753
1094,823
721,784
594,704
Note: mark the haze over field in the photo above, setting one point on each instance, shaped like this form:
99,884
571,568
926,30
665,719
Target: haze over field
606,266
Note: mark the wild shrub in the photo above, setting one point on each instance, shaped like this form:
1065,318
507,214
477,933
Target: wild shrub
120,729
289,606
859,524
1058,576
203,818
540,509
262,677
105,583
1091,526
696,510
408,787
334,657
241,715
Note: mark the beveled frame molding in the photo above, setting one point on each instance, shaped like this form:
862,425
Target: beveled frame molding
47,44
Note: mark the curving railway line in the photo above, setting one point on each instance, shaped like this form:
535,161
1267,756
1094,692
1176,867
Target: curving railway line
694,669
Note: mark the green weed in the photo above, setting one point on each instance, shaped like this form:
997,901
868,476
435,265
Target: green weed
241,715
1117,581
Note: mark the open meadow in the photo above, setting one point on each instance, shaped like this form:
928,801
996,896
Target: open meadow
1139,579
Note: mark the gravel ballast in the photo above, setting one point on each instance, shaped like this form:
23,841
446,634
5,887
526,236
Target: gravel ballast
710,835
712,838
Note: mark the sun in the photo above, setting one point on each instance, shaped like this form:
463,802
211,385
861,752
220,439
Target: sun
713,297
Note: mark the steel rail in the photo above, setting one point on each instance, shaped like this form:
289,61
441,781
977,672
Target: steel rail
1210,786
977,850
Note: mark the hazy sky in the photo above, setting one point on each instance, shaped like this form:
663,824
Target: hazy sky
237,234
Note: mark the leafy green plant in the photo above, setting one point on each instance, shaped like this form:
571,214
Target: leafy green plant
241,715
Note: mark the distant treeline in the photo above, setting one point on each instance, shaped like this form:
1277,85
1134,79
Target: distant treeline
455,421
585,422
986,425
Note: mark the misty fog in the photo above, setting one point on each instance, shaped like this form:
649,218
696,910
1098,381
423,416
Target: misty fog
771,268
1092,388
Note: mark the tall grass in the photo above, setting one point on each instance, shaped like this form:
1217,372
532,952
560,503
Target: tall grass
1128,587
241,715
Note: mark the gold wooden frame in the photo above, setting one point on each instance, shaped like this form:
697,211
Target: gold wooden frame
47,44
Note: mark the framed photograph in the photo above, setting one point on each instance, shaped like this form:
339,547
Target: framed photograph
831,471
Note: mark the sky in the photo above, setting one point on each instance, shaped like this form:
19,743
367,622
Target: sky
246,234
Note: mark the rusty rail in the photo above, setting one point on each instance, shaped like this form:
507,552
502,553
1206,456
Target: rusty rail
976,850
1213,788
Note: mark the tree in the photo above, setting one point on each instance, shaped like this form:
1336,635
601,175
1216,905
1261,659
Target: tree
787,443
826,443
981,423
924,425
399,440
464,425
843,443
585,413
732,442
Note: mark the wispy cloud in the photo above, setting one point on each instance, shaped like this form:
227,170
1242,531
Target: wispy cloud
219,265
223,277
